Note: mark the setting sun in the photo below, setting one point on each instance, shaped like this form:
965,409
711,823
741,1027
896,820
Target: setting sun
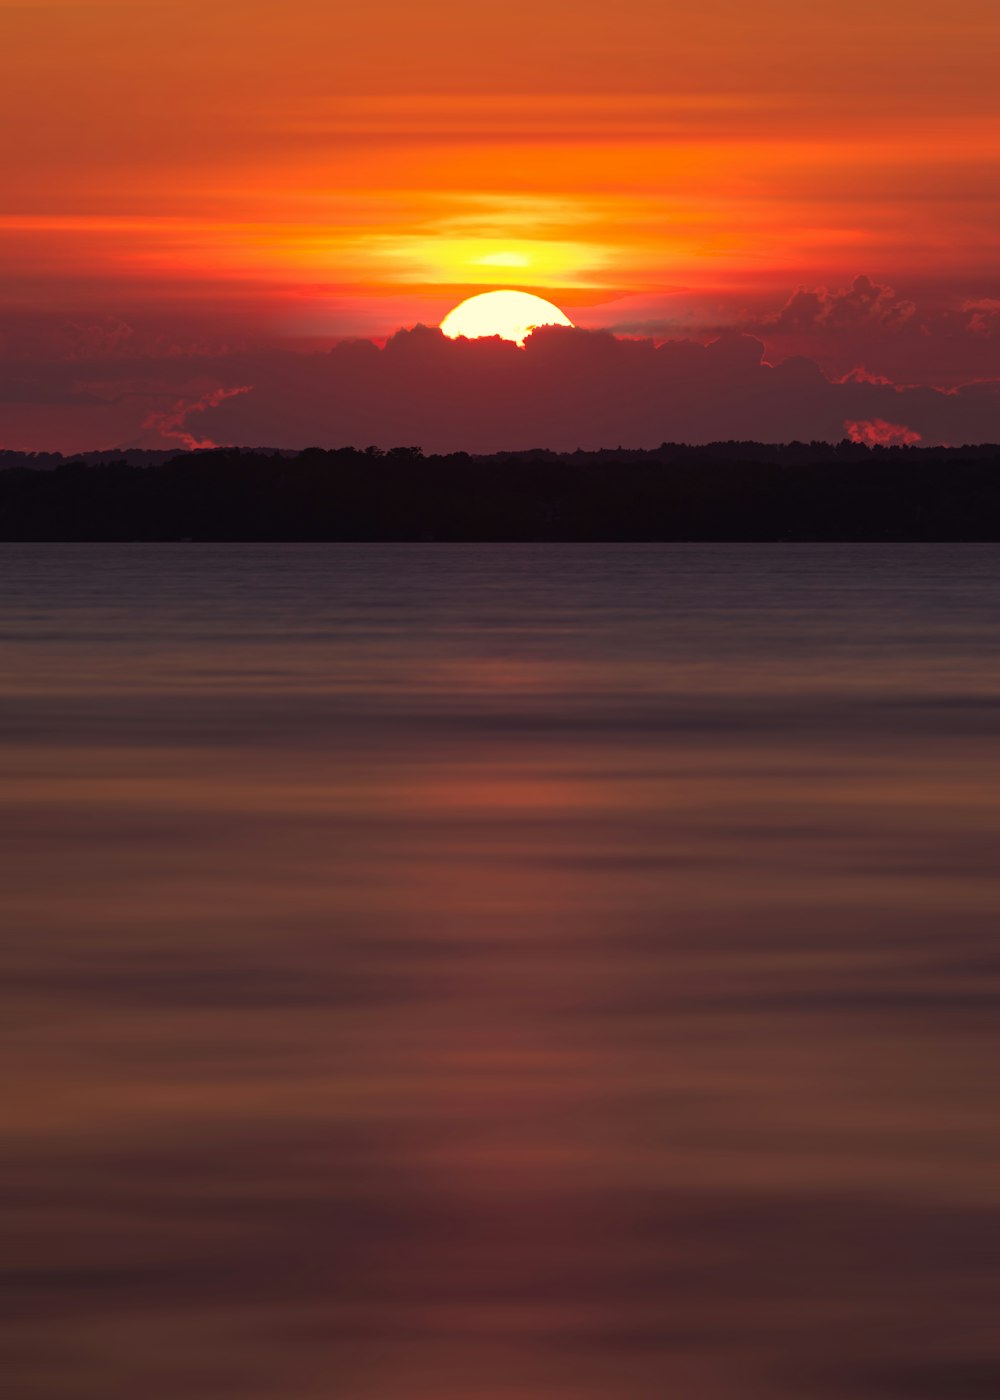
510,315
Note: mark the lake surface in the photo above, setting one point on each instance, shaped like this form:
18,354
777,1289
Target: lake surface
501,973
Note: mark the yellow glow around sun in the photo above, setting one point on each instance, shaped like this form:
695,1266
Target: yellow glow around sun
503,260
456,252
510,315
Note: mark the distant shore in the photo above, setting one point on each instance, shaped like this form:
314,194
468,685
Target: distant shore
735,491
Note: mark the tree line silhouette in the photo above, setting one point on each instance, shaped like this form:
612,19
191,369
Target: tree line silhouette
725,491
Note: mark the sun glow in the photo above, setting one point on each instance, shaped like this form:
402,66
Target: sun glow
503,260
510,315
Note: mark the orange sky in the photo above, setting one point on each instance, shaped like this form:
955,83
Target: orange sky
349,167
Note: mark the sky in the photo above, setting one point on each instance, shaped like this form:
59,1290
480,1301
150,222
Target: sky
186,183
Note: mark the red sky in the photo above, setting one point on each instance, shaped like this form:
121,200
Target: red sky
190,177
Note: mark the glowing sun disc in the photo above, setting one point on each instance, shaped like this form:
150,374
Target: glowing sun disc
510,315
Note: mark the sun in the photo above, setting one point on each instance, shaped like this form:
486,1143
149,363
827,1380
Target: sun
510,315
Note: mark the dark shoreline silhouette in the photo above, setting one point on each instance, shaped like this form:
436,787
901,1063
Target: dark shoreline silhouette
733,491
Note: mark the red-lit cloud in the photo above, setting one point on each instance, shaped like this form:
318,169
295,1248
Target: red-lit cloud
879,433
984,316
170,425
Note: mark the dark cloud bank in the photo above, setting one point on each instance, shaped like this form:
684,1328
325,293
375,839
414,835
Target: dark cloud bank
566,389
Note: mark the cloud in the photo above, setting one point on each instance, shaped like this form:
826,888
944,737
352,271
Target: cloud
864,302
878,433
573,388
170,423
31,337
567,388
860,375
984,318
930,335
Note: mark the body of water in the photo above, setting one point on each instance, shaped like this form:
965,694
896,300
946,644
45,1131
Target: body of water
501,973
